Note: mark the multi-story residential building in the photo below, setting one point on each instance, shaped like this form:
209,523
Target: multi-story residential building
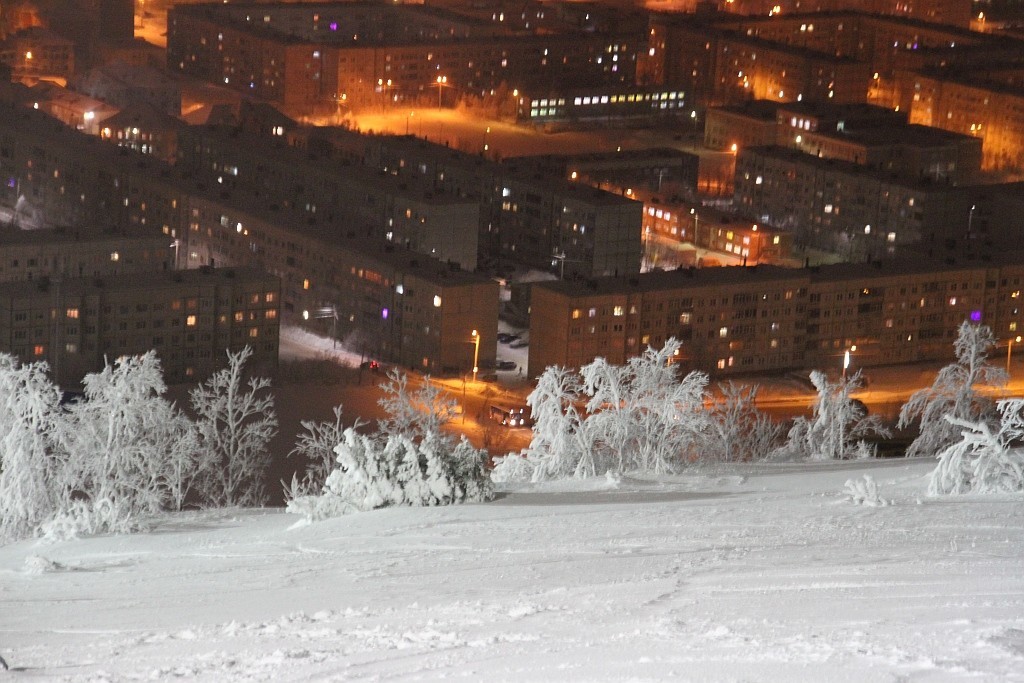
952,12
738,320
189,317
27,255
844,207
528,214
985,103
37,54
405,307
317,55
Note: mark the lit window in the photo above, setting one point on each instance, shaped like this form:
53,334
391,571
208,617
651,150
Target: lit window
592,313
305,283
891,237
721,364
684,318
575,314
437,301
190,321
254,332
723,332
72,313
271,314
270,297
115,256
619,310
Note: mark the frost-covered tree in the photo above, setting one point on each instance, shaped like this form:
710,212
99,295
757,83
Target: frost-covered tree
838,423
955,394
987,458
559,447
316,444
29,407
637,416
414,414
127,449
739,432
235,421
409,461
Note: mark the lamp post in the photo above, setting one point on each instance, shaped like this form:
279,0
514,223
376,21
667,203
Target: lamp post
441,82
1009,351
476,353
970,222
693,212
326,312
486,146
407,117
846,359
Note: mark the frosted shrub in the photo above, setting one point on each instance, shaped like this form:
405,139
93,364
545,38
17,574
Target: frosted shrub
409,461
987,459
864,491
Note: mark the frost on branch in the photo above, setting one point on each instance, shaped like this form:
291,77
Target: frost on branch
955,394
126,450
838,423
409,461
640,416
987,459
235,423
29,406
864,491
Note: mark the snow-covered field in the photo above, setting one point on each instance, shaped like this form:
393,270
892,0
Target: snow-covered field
748,573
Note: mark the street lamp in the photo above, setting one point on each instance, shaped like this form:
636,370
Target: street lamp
407,117
486,146
476,353
1009,351
326,312
846,359
441,82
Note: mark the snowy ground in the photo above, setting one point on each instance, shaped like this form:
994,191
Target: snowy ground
754,573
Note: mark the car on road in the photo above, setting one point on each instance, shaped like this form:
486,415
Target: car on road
506,365
507,337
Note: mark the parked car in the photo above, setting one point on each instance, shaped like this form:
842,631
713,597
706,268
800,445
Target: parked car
519,344
507,337
506,365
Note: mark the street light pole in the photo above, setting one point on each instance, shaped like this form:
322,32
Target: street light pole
846,362
441,82
1009,351
476,353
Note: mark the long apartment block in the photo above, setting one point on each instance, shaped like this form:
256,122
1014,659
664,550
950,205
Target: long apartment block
737,320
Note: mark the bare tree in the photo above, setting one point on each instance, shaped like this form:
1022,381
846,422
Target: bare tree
235,423
954,394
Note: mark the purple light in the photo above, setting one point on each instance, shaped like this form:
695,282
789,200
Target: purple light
334,26
384,313
975,316
11,182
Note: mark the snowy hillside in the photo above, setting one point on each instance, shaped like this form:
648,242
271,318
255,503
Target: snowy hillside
766,573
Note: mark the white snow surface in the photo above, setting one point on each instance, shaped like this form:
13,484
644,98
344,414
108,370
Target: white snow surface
741,573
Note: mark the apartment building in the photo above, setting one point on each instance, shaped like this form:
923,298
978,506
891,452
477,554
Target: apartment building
738,320
530,214
951,12
848,208
313,56
27,255
190,318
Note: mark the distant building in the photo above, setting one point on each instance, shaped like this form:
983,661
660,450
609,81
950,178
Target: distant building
27,255
737,320
38,54
190,318
125,85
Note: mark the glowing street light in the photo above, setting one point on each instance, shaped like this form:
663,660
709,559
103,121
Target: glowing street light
441,82
476,353
846,359
1009,351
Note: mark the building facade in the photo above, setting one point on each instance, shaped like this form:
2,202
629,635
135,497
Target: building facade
190,318
764,319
